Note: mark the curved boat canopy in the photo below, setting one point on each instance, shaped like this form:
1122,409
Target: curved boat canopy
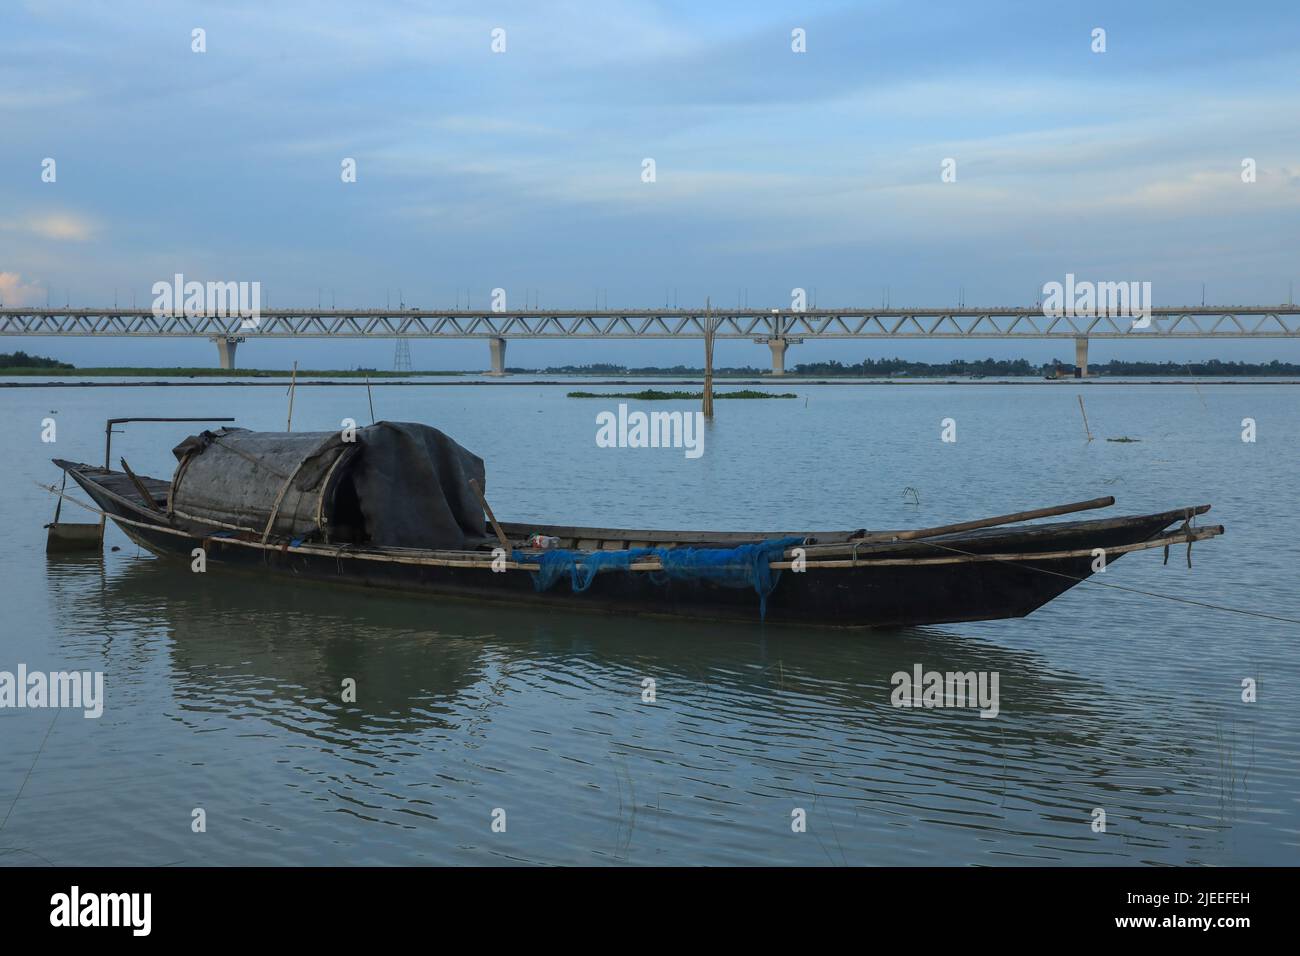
391,484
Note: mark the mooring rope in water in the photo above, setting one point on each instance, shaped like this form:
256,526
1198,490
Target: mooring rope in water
39,750
1121,587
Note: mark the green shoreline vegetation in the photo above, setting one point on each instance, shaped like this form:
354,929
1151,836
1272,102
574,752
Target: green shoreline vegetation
904,368
17,364
20,363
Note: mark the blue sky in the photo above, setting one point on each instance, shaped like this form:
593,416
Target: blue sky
523,169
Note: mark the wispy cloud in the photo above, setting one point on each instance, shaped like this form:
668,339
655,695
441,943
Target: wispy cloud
14,291
56,226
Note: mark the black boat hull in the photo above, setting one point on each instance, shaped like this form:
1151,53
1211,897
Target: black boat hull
872,595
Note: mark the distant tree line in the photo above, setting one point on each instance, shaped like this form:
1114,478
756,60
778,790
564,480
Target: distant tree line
867,368
607,368
883,368
898,367
1213,367
23,360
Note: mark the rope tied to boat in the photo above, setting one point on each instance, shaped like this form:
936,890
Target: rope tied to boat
1189,522
58,505
338,555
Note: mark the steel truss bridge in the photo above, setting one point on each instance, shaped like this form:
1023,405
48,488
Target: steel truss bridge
776,328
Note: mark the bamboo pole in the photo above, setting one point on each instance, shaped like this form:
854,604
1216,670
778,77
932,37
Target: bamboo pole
1089,505
891,536
1085,418
501,535
279,500
293,384
58,505
708,360
1178,537
371,397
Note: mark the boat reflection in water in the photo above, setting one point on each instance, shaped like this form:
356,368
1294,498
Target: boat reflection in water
462,710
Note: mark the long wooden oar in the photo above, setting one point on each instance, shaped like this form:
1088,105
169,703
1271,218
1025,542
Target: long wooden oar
889,536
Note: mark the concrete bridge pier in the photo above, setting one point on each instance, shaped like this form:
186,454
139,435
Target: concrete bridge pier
1081,356
778,347
497,349
778,344
226,345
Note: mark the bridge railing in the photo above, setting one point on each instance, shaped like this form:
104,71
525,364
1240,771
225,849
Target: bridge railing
1198,322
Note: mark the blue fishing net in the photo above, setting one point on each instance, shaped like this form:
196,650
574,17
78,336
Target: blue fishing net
748,565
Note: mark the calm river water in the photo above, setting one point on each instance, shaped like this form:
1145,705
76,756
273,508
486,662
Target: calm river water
223,692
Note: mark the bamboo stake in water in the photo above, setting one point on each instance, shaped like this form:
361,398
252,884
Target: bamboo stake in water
708,360
371,397
293,383
1085,418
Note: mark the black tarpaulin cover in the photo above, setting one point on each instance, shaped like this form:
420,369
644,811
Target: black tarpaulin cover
398,484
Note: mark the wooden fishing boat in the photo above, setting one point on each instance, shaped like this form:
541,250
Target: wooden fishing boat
313,506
